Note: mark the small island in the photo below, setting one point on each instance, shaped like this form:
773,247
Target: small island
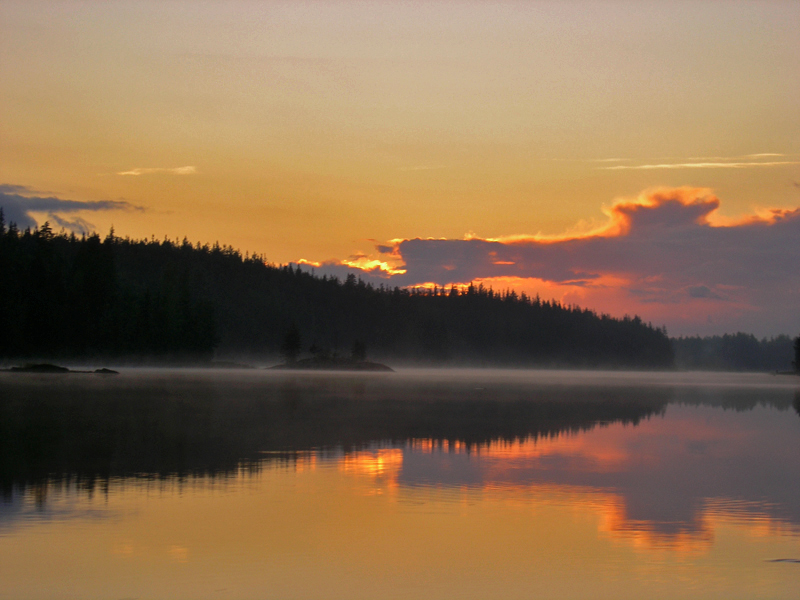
322,360
49,368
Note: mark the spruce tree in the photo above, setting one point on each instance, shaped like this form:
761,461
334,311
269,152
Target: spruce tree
291,344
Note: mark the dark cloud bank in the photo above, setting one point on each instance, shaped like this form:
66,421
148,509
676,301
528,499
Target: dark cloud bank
19,201
668,247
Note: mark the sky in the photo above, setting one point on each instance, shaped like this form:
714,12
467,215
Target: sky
629,157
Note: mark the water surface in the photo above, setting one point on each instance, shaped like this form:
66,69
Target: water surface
454,484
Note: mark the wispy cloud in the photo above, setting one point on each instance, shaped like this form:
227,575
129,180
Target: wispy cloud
702,165
189,170
422,168
19,201
730,158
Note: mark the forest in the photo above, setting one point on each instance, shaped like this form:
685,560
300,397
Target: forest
163,301
735,352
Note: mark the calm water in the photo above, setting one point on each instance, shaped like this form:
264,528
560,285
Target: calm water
418,484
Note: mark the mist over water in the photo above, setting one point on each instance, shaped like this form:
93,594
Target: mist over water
466,483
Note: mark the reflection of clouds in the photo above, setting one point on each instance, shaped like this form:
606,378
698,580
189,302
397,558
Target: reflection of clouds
692,536
722,454
668,483
757,519
48,502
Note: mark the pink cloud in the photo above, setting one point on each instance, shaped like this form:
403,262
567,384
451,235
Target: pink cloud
666,255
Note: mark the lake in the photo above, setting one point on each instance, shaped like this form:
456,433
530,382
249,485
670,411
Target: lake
415,484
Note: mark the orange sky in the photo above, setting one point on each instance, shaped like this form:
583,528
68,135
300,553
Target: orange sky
314,130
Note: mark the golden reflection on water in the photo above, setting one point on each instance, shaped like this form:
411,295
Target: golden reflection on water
554,516
384,463
511,473
383,467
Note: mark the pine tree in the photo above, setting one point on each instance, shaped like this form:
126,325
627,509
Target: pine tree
359,351
291,344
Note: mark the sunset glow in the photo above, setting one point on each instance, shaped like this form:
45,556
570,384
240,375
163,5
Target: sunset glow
666,255
346,132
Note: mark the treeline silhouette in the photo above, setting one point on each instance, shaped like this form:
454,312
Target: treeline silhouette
734,352
64,295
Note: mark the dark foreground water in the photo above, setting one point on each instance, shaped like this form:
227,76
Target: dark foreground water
418,484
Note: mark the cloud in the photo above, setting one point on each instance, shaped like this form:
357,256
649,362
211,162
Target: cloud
666,255
373,270
703,165
151,170
19,201
702,291
8,188
422,168
741,157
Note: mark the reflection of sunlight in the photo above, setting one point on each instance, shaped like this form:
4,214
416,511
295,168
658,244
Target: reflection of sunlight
306,461
380,467
384,463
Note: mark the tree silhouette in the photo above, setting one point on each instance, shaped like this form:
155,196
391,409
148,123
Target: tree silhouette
359,351
736,352
797,354
68,296
291,344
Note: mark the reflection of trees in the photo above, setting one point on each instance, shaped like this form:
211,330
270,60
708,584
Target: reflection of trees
93,430
733,352
737,399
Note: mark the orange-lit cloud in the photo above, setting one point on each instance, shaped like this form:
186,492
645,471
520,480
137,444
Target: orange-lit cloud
667,255
359,264
189,170
702,165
